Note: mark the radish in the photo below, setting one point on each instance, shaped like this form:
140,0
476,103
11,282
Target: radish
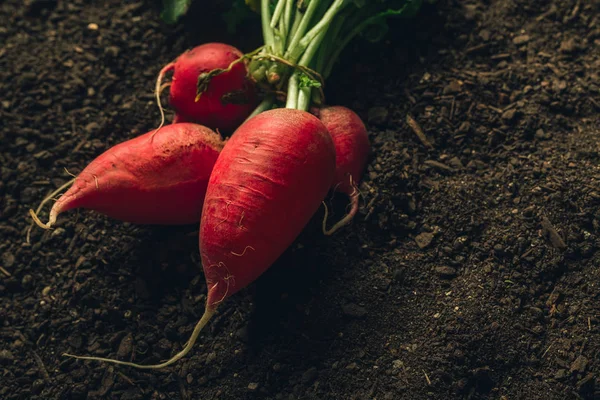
352,149
267,183
150,179
226,96
279,164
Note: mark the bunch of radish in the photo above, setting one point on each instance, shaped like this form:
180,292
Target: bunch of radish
253,193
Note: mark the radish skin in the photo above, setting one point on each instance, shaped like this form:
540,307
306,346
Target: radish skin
211,109
268,181
147,180
352,149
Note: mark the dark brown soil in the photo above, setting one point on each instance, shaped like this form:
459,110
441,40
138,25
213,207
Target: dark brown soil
472,271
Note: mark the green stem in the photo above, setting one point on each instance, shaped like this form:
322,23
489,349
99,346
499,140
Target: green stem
312,6
266,24
263,106
277,13
297,18
321,10
348,37
278,43
312,49
296,48
304,97
325,48
292,92
288,17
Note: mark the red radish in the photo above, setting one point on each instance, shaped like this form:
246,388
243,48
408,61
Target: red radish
147,180
352,149
229,97
267,183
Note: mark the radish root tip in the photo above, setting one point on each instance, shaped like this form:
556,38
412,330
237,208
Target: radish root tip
208,314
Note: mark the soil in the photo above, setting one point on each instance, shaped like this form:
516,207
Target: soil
471,271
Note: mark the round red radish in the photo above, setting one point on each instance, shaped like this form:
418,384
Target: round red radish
229,97
157,178
352,149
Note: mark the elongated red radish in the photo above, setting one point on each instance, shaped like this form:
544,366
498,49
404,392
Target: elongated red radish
147,180
267,183
352,149
229,97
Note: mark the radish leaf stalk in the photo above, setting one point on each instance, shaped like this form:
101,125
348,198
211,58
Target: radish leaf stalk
304,39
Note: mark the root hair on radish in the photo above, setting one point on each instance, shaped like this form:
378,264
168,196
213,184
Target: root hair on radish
158,88
354,197
206,317
244,252
34,214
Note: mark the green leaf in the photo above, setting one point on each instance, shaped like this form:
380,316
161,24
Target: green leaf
306,82
174,9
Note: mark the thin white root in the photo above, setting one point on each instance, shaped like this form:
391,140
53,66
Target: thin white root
354,196
324,226
164,86
208,313
38,221
158,88
69,173
34,214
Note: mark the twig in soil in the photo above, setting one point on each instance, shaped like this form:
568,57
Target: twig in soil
548,13
546,352
555,238
41,366
427,378
418,131
128,380
574,13
370,206
5,272
477,48
589,324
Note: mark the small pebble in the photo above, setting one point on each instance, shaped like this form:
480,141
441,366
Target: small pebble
509,115
445,271
579,365
6,357
521,39
27,282
424,239
377,115
8,259
452,88
212,356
